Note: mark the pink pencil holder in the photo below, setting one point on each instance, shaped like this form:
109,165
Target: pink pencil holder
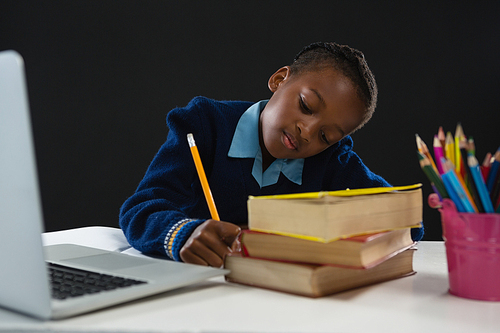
473,252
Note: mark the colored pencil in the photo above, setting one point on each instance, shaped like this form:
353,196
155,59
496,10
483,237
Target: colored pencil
479,184
452,192
495,191
434,188
467,193
449,147
422,148
441,137
485,167
493,171
203,177
459,133
471,146
431,174
446,167
438,153
469,180
455,189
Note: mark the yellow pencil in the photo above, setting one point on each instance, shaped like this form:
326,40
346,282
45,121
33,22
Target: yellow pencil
203,177
450,147
459,134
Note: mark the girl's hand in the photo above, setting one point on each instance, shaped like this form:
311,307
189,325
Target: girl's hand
210,243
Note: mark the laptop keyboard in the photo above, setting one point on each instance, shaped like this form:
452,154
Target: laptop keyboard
72,282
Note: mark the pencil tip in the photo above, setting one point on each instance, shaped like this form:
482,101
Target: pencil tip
459,131
419,141
440,133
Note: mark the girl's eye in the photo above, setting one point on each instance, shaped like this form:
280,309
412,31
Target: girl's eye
304,107
324,138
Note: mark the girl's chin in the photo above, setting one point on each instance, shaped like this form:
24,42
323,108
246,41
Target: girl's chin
279,151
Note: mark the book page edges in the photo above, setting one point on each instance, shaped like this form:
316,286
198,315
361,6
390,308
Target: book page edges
411,247
340,193
311,290
313,295
324,240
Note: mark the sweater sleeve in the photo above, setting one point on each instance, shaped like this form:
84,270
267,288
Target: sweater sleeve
156,218
349,171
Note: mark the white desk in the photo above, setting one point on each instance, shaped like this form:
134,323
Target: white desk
419,303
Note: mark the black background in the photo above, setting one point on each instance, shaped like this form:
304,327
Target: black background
102,75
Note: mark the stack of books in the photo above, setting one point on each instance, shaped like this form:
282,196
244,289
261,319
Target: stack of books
316,244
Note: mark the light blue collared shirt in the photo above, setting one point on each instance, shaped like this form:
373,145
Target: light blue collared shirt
245,144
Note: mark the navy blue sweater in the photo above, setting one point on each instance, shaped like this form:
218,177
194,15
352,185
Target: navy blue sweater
171,191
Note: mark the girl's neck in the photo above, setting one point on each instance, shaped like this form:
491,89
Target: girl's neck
267,159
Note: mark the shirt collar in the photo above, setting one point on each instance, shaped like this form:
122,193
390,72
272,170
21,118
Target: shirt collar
245,144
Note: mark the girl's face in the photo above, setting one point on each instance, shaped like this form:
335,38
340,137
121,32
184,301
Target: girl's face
308,112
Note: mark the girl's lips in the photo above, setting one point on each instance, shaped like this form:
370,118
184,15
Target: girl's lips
289,141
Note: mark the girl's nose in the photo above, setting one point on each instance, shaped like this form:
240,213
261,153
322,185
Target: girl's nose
306,130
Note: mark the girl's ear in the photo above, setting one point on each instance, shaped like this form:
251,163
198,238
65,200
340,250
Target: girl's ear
278,78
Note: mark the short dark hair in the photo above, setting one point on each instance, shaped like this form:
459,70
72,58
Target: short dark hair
349,61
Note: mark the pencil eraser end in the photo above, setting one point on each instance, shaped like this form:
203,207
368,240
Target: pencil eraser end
190,139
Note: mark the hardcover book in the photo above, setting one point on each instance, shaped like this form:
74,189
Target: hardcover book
313,280
328,216
358,251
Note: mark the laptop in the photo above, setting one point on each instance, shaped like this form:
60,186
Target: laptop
25,264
